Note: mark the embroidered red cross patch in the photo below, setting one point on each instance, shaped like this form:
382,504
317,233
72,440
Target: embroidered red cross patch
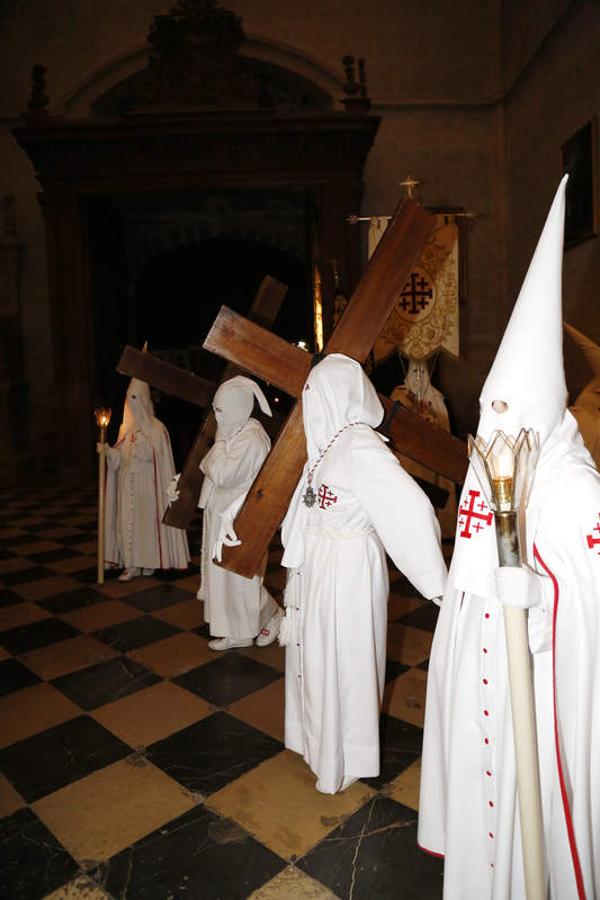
593,541
467,513
326,498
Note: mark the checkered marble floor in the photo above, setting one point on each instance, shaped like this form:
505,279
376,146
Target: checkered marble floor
137,764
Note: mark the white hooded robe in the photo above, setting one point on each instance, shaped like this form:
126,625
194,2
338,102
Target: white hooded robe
139,469
468,807
234,606
431,405
336,598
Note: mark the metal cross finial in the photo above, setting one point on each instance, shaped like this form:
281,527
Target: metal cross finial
410,184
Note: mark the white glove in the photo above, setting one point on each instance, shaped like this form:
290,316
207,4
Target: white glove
172,492
226,538
520,586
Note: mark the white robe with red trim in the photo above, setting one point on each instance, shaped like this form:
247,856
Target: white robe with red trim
140,468
468,807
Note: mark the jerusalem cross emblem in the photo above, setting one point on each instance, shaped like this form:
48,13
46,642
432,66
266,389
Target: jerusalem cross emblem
468,513
326,497
594,541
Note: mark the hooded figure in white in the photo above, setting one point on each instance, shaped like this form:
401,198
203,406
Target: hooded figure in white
237,608
586,408
353,503
468,807
140,467
418,393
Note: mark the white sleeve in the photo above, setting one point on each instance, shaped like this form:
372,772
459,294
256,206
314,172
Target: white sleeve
113,458
238,466
400,512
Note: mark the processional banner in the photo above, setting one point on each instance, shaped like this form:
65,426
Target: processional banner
425,317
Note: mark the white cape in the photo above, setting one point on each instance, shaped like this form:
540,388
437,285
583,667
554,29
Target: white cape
140,468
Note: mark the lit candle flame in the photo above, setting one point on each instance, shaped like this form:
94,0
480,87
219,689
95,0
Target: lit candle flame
103,416
317,310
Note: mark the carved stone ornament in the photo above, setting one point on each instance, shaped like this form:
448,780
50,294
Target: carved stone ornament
194,62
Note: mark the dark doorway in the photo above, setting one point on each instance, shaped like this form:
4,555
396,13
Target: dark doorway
172,298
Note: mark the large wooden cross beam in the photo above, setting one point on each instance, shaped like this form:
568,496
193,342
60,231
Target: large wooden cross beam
274,360
200,391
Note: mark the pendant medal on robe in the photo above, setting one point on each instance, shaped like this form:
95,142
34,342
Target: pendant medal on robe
309,498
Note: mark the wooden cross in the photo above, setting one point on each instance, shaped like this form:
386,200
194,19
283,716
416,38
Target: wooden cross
410,184
274,360
200,391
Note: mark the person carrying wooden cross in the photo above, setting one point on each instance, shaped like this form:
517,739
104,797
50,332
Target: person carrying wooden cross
238,610
353,503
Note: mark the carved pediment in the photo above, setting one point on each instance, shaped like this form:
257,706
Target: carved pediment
194,60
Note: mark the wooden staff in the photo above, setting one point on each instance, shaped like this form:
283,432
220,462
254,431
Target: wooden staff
102,420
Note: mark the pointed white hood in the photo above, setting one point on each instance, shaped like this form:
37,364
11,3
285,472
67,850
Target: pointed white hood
527,376
138,411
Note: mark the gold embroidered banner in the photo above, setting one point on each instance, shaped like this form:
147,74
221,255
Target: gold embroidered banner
425,317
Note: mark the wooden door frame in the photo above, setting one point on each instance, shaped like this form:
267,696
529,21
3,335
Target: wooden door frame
323,153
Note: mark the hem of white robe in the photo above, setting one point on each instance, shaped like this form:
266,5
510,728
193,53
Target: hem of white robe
437,853
136,562
331,772
241,634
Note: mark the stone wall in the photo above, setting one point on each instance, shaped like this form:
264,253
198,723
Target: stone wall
437,73
553,96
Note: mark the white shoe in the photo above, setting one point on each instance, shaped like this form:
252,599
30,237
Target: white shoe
271,630
226,643
148,571
128,574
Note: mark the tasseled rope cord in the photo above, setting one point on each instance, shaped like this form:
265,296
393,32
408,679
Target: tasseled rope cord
328,447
